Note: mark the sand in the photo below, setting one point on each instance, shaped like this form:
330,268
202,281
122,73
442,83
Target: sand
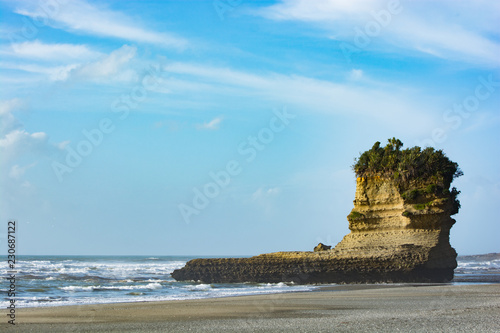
361,308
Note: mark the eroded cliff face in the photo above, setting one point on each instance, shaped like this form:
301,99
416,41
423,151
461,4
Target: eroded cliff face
397,235
385,223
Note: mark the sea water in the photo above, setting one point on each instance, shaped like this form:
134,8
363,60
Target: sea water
77,280
477,270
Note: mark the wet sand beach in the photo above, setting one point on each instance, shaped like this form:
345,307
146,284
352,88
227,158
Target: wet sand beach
349,308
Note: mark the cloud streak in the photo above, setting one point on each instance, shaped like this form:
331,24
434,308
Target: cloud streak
37,50
107,67
309,94
468,36
211,125
81,16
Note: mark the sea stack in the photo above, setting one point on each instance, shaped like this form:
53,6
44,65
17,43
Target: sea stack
400,227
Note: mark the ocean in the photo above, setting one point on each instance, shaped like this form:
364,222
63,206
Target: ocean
77,280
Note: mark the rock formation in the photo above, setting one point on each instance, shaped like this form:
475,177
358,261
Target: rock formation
322,247
399,226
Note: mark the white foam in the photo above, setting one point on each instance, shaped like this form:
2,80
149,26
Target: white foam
200,287
68,283
479,265
108,270
77,288
154,285
198,292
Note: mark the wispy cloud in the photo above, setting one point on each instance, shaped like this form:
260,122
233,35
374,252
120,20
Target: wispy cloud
393,102
426,27
319,10
83,17
14,139
262,193
211,125
17,171
266,198
50,52
7,120
356,74
108,67
52,73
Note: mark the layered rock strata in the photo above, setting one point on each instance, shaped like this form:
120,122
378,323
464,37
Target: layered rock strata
395,237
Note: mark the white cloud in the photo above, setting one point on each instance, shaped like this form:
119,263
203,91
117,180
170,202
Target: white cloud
263,193
169,125
20,152
110,66
7,120
319,10
386,102
222,75
106,68
463,31
211,125
273,191
266,201
19,141
62,145
51,52
16,141
17,171
96,19
447,41
53,73
356,74
482,121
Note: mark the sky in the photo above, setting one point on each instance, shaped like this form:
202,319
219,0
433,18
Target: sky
229,127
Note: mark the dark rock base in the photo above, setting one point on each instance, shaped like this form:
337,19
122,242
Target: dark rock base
309,270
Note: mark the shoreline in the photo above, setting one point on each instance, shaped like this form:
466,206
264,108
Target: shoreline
383,308
320,288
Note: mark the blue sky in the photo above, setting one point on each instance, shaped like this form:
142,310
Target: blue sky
116,115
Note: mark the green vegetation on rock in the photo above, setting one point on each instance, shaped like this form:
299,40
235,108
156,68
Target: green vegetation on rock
422,206
419,173
407,164
355,215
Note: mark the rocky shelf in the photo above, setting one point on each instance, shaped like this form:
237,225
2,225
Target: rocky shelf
399,233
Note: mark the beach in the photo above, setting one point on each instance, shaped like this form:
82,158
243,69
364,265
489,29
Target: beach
344,308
